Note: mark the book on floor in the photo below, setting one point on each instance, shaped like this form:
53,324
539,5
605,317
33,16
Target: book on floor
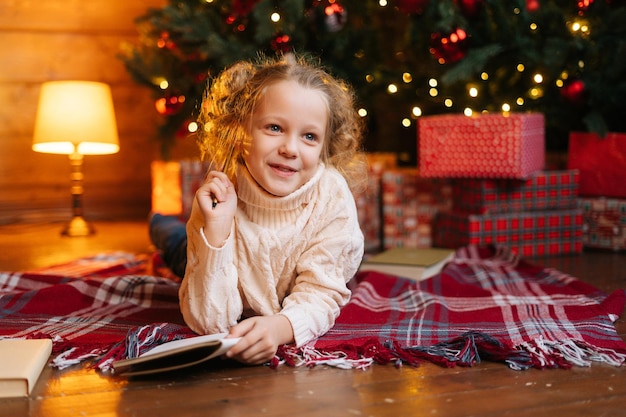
175,355
21,364
414,263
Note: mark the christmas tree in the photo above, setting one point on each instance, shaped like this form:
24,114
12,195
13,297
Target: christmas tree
405,58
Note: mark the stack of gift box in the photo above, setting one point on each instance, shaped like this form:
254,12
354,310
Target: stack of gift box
501,193
602,165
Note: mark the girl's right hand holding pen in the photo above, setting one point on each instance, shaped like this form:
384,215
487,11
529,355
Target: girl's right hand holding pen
217,218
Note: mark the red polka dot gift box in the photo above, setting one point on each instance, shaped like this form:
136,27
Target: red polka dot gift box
484,146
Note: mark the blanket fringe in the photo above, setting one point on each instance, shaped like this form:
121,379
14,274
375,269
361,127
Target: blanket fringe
466,350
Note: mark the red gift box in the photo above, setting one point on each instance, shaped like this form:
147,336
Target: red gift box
544,190
483,146
410,203
174,185
192,176
604,222
535,233
368,203
601,162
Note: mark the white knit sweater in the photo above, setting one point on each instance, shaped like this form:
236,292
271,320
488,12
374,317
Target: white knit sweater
290,255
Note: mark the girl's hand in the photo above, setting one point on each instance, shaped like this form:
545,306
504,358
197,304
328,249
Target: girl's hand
217,218
260,338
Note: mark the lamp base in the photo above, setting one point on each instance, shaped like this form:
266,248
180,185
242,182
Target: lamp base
78,227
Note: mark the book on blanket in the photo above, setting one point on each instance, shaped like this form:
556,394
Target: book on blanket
177,354
414,263
21,364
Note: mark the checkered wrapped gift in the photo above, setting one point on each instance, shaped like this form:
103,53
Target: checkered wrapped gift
530,233
544,190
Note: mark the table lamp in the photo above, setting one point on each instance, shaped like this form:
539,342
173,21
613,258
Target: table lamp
76,118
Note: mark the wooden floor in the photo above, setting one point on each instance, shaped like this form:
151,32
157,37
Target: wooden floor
487,389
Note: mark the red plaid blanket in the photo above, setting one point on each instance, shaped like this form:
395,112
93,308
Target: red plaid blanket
486,304
86,306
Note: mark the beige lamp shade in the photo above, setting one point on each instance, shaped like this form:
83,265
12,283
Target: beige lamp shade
75,117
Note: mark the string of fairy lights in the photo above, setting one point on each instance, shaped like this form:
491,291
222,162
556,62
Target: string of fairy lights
579,26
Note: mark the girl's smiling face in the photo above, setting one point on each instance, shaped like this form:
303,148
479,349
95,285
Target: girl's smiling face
288,130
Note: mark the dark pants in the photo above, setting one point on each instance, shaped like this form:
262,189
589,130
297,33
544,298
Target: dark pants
169,235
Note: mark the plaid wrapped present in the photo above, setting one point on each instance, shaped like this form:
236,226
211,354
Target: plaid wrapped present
368,204
483,146
601,162
544,190
410,203
531,233
604,222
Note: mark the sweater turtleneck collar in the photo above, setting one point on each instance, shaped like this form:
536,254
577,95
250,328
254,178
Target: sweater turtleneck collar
252,194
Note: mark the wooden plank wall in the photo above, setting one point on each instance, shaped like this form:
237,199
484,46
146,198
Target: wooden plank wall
73,39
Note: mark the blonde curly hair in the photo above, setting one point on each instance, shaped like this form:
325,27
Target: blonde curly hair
231,97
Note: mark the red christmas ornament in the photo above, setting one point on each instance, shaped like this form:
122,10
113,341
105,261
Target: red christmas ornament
449,49
470,8
532,5
282,43
583,5
575,92
412,6
165,41
169,104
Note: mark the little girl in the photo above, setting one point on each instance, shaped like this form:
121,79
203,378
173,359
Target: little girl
273,240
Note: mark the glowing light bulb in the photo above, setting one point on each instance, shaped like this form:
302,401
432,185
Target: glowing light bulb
538,78
467,111
484,76
473,92
163,84
192,127
432,82
448,102
362,112
433,92
506,107
406,122
407,77
417,112
275,17
392,88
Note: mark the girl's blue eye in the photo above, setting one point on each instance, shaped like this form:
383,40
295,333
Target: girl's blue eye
274,128
310,136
